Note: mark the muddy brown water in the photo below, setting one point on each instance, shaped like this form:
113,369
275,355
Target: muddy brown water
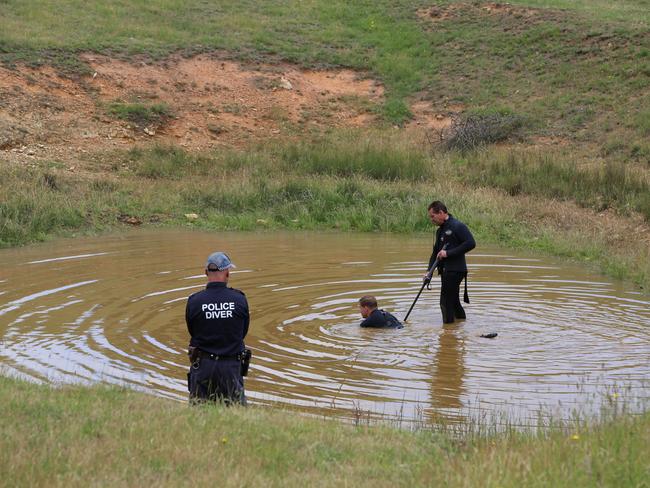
111,310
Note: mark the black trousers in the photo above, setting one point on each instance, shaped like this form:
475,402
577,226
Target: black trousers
449,296
217,380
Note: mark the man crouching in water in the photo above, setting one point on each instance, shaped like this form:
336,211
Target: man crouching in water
373,317
217,320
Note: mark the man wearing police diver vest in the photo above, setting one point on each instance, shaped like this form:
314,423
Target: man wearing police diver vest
217,320
453,239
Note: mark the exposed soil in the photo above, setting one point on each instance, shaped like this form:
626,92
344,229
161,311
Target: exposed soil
48,117
212,103
433,121
438,13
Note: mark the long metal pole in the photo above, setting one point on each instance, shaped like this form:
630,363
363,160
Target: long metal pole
430,273
416,299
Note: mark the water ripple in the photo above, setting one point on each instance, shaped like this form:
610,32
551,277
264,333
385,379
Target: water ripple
565,338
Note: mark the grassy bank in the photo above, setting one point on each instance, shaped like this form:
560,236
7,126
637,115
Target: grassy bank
575,73
572,73
77,436
347,182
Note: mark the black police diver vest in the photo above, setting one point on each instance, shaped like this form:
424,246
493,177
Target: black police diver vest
218,319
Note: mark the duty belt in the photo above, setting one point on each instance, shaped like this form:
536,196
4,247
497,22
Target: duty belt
216,357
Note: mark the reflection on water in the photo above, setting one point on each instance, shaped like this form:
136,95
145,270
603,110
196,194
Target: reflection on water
112,309
448,372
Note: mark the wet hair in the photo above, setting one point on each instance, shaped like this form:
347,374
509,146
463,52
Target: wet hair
368,301
438,207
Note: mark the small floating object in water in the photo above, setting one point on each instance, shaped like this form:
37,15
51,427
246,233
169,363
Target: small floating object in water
490,335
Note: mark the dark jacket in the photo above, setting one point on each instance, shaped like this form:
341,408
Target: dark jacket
217,319
380,319
459,241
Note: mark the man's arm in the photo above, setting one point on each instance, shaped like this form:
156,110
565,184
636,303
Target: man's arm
467,242
187,317
247,317
436,245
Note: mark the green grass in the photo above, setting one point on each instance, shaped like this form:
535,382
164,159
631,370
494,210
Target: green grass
139,113
643,121
377,156
612,186
354,154
349,181
624,11
75,436
573,71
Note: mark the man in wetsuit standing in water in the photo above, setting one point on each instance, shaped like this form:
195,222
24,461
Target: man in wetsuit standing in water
456,239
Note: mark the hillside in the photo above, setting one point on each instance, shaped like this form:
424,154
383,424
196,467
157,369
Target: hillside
550,103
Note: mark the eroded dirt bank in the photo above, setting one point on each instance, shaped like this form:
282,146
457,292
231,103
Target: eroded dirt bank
206,103
78,126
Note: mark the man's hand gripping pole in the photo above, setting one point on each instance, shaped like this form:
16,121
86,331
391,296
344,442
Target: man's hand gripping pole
426,281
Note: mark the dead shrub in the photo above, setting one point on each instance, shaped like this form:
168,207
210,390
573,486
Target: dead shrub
470,131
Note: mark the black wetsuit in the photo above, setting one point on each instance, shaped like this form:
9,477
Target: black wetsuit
453,268
380,319
217,320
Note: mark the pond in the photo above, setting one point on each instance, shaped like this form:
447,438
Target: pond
111,309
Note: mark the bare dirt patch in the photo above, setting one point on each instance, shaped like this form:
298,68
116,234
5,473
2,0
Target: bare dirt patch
211,103
501,11
433,119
